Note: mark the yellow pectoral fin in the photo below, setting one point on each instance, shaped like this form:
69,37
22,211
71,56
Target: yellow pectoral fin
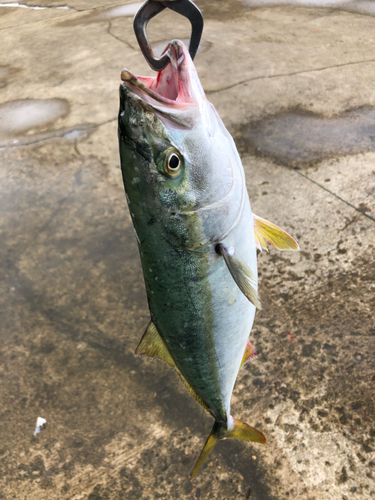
279,238
152,345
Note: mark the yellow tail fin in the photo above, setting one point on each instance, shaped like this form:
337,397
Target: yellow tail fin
236,430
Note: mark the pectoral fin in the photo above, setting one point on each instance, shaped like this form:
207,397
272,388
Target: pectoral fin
241,274
279,238
250,353
152,345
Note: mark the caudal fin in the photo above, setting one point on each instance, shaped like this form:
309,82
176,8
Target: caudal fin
236,430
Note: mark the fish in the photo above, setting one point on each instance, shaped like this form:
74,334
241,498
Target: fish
197,236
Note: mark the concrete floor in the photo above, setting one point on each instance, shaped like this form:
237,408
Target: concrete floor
295,86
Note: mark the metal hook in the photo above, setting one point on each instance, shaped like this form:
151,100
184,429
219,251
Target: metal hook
153,7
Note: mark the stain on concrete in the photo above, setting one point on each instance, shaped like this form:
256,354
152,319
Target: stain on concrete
298,138
24,116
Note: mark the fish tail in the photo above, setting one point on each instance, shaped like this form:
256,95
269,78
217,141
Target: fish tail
234,429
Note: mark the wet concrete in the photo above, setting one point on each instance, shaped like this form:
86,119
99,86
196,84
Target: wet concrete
72,300
297,138
22,116
31,7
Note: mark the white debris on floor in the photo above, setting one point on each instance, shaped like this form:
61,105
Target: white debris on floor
40,425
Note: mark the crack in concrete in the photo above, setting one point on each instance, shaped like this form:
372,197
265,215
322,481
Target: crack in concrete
116,37
76,149
280,75
332,193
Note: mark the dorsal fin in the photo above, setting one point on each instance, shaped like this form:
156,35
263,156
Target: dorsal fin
241,273
250,353
152,345
279,238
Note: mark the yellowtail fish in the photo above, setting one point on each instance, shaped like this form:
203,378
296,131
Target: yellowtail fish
197,237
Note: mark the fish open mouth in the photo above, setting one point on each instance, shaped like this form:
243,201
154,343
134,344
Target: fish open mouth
176,86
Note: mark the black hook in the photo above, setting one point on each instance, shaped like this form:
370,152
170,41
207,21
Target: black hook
149,10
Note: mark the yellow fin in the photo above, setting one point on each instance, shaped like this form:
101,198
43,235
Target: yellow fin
236,430
152,345
250,353
241,273
279,238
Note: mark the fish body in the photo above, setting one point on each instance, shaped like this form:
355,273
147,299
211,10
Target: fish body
186,193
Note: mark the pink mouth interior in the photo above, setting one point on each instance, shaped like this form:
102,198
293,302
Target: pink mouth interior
164,84
172,86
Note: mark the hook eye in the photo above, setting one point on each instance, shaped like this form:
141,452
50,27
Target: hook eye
153,7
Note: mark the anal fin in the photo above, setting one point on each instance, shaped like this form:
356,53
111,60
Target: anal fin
280,239
152,345
241,273
250,353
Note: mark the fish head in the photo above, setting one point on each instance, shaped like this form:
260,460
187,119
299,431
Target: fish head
180,165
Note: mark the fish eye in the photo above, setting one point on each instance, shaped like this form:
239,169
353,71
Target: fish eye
173,163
